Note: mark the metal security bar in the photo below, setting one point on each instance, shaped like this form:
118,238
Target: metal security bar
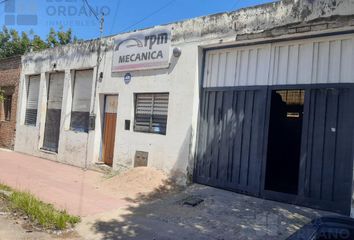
151,111
32,100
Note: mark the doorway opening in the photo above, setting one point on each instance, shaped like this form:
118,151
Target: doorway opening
284,141
53,115
109,129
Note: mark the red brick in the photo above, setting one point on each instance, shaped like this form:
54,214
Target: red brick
10,69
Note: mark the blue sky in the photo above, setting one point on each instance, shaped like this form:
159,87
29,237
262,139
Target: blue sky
122,15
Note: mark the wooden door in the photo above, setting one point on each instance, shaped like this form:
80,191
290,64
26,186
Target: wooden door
109,132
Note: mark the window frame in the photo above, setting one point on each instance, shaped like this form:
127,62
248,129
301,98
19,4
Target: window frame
151,128
86,128
28,82
6,104
7,97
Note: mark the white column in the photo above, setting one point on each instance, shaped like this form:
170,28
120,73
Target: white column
42,107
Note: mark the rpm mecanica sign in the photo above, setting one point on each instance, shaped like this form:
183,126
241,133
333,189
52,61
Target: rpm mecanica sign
148,49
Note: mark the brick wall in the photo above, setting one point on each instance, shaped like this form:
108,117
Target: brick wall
9,78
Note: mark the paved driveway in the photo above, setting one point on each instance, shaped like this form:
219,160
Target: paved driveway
222,215
66,187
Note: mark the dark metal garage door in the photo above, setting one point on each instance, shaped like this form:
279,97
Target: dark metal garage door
326,166
293,150
230,139
232,145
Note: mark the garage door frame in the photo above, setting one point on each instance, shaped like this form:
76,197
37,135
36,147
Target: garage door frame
294,199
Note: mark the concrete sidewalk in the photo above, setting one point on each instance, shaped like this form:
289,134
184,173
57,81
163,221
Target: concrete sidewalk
66,187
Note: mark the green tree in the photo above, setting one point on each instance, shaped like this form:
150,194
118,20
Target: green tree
2,95
65,37
38,44
12,43
60,37
52,39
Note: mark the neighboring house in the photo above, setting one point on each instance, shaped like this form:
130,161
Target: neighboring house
10,69
257,101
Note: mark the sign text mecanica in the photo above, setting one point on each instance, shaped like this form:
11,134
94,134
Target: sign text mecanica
140,51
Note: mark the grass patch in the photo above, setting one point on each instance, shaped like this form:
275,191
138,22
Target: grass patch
39,212
5,188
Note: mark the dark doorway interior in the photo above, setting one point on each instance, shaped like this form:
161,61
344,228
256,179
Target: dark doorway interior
284,141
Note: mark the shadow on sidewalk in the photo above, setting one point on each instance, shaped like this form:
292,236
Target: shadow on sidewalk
222,215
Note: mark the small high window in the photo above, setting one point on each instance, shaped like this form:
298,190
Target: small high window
151,112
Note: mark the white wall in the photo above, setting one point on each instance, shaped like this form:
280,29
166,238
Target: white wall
170,152
29,139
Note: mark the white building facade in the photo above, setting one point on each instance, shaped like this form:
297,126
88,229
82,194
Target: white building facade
144,98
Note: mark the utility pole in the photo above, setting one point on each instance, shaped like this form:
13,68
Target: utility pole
98,60
92,120
101,25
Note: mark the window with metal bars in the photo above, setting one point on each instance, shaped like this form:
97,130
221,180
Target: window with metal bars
32,100
80,113
151,112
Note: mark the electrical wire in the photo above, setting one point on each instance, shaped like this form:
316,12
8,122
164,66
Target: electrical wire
115,15
149,15
91,9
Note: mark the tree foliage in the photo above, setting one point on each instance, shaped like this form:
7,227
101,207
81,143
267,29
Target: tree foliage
12,43
2,95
